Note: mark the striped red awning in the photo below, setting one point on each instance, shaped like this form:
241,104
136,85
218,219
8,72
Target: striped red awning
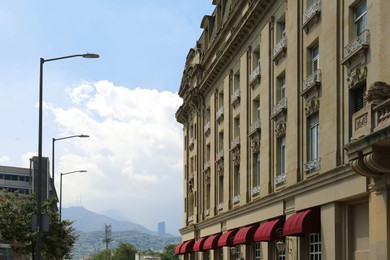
211,242
226,239
187,247
307,221
268,230
245,235
177,248
198,246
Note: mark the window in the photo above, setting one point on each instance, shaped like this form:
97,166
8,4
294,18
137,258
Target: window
315,247
360,18
220,99
220,191
255,58
313,131
315,58
282,156
256,169
257,251
220,142
236,81
282,87
236,180
358,101
256,110
236,127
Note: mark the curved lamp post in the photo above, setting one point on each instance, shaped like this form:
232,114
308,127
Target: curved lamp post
62,174
53,150
39,195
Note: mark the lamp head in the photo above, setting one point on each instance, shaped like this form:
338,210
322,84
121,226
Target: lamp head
90,56
83,136
280,246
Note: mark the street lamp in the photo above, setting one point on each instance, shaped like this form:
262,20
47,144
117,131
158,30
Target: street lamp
40,123
62,174
52,150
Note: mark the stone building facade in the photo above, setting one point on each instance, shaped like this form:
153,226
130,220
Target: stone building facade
286,128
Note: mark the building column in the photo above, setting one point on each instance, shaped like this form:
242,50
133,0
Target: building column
379,218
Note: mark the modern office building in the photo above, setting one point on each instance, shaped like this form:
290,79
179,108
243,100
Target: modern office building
14,179
285,114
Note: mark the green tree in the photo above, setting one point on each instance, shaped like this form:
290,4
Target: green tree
102,255
169,253
16,213
125,251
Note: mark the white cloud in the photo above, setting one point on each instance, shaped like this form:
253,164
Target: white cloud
133,155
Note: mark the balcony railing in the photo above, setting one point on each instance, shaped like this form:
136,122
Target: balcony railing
279,107
236,96
207,127
220,206
235,142
219,113
280,48
255,74
359,43
255,127
313,80
311,166
236,199
256,190
206,165
280,179
382,115
312,13
219,155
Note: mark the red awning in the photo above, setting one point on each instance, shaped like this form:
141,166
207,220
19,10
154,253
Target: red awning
226,239
211,242
187,247
267,230
307,221
198,246
177,248
245,235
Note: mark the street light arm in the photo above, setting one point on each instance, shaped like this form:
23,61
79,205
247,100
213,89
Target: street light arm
85,55
72,136
66,173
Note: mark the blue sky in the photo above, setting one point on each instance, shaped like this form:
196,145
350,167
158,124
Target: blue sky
125,100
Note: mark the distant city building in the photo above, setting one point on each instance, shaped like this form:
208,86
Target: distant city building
286,129
15,179
161,228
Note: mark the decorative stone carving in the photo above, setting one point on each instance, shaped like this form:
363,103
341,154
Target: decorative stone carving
236,158
280,130
377,92
356,76
312,106
220,169
255,146
361,121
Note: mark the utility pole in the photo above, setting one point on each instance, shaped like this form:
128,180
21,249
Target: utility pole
107,239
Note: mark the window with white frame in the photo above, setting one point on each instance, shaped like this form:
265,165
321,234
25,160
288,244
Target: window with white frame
315,58
257,251
313,136
360,18
314,246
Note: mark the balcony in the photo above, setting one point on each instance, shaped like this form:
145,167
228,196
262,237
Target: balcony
236,199
369,148
235,143
235,97
220,206
310,83
219,156
311,15
206,128
206,165
191,143
219,114
312,166
254,77
357,46
280,49
279,107
256,190
255,127
280,179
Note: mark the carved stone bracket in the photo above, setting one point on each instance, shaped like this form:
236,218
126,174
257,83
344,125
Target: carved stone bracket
236,158
377,92
374,164
255,146
356,76
280,130
312,107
